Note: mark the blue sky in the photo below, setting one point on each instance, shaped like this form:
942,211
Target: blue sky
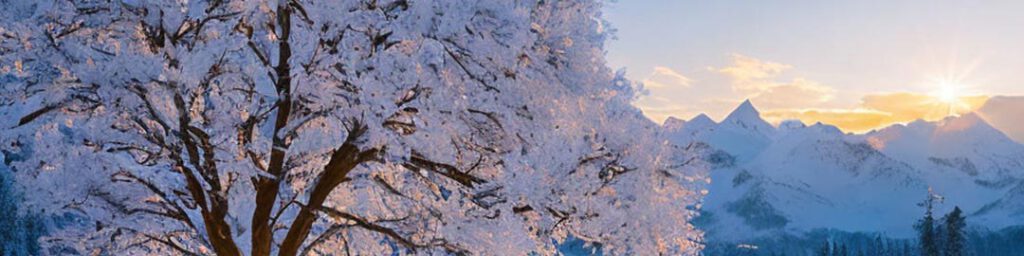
791,57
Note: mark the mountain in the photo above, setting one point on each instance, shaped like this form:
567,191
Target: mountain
742,133
795,178
1003,112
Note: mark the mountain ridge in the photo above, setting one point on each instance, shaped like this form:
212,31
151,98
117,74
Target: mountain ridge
794,178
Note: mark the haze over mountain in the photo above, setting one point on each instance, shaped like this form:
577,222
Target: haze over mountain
1003,112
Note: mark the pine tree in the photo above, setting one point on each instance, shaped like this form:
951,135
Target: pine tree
875,247
926,227
955,233
825,250
843,251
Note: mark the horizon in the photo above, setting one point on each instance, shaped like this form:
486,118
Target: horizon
776,123
816,63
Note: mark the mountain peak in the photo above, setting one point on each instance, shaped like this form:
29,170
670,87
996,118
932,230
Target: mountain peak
674,124
701,118
747,116
967,122
700,121
745,111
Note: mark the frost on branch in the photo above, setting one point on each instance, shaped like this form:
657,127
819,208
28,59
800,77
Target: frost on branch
334,127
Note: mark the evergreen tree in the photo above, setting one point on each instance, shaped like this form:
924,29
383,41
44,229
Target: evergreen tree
875,247
825,250
955,238
926,227
843,251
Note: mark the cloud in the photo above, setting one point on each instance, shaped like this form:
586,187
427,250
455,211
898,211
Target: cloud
751,74
664,77
760,81
882,109
851,120
907,107
796,94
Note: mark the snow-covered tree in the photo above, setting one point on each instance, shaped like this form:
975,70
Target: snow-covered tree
335,127
19,228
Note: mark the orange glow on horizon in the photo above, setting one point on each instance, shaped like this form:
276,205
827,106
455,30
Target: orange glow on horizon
880,111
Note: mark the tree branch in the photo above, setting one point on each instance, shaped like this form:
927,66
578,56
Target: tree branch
341,162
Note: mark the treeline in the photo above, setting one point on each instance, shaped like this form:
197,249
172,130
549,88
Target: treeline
979,242
876,247
944,236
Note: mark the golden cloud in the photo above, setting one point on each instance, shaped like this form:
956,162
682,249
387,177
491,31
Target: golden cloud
751,74
907,107
798,93
880,110
759,81
857,120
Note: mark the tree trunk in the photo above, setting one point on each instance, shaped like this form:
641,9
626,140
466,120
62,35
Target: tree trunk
267,189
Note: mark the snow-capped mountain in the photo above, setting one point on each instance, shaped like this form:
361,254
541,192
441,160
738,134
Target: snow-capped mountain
796,178
743,133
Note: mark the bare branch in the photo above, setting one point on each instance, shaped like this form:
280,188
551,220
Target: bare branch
36,114
371,227
418,162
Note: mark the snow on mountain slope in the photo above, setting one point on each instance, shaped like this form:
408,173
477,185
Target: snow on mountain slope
966,143
797,178
743,133
964,158
803,181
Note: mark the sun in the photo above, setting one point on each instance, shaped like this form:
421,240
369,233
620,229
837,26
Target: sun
948,94
948,97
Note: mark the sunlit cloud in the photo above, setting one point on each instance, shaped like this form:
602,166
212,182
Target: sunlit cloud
853,120
664,77
761,82
907,107
751,74
880,110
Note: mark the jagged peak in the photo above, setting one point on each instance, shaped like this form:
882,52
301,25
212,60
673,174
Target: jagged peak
745,110
699,122
746,115
827,128
969,121
672,123
701,119
791,124
968,126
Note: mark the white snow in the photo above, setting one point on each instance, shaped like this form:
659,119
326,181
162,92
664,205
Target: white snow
796,178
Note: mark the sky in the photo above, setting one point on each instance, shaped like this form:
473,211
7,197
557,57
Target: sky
859,65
